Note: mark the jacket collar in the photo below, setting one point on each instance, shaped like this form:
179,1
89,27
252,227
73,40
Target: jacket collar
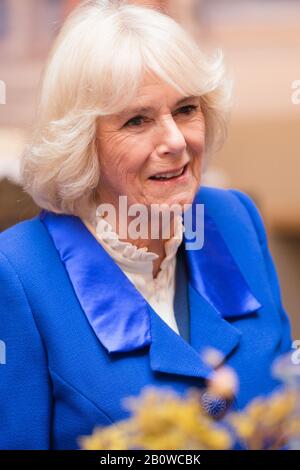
114,308
122,319
215,275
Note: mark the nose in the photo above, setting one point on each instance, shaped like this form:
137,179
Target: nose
172,141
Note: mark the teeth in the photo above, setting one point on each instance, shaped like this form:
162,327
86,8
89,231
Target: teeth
167,176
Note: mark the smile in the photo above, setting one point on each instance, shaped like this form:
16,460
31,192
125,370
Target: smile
169,175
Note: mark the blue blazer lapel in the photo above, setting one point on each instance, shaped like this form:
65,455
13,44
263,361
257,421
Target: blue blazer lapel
114,308
216,290
208,328
122,319
171,354
216,277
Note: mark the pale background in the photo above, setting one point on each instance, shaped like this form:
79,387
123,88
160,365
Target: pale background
261,43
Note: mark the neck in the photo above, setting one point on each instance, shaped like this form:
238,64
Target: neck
153,245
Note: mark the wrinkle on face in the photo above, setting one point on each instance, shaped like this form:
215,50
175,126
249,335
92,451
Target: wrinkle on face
130,155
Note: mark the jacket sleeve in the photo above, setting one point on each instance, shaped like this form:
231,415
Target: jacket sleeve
25,390
286,342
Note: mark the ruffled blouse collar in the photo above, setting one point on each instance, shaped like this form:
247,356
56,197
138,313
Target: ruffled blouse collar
133,259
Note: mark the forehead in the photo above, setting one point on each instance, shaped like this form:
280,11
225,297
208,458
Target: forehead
153,87
152,94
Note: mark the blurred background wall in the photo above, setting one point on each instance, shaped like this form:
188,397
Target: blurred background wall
261,44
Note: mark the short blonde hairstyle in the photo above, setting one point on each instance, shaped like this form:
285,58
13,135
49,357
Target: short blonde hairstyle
95,69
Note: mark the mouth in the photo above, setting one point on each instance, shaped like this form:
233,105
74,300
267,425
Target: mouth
170,175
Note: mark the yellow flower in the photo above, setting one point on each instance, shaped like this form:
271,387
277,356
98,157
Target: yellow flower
161,420
265,421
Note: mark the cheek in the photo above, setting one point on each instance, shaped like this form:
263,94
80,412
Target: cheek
196,142
134,156
124,160
194,134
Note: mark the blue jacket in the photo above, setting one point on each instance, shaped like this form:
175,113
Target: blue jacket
80,338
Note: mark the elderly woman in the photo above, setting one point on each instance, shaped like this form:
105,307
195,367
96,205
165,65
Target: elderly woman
94,306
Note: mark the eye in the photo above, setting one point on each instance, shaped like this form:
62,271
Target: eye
187,110
136,121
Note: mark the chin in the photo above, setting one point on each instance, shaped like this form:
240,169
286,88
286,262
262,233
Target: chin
180,199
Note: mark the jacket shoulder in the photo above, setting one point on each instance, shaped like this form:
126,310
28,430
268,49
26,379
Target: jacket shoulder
232,206
20,230
27,400
25,240
29,251
220,197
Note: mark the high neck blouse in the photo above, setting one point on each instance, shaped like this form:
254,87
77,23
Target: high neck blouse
137,265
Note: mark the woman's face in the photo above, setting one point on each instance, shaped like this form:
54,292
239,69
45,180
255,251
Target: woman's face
141,150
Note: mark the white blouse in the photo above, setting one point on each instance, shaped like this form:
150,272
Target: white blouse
137,265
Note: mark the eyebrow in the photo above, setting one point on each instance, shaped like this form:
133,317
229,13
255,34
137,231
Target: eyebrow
147,109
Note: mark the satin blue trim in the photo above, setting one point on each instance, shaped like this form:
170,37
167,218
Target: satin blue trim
215,275
118,316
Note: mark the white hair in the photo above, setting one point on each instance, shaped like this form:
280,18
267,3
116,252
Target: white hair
95,69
